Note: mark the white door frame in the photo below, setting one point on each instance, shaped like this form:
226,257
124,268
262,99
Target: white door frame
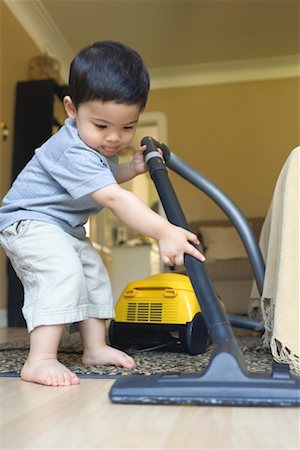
158,119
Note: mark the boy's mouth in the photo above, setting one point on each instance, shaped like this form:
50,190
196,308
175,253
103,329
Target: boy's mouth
111,150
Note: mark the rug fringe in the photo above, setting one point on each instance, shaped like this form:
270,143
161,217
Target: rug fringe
268,311
280,352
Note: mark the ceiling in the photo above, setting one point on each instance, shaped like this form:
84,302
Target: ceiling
173,33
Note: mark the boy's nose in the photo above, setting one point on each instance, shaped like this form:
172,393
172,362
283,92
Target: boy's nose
113,137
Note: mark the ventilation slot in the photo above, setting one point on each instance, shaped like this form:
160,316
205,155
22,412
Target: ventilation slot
144,312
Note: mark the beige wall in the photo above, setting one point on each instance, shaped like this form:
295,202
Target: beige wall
16,50
238,135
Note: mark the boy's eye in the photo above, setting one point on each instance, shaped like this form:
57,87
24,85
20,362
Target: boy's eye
129,127
102,127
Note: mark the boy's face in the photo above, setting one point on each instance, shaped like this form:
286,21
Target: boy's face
107,127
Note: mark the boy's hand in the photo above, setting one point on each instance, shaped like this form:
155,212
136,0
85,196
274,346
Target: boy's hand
175,243
137,163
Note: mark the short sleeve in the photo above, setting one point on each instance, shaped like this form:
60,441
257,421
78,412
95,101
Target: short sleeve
79,170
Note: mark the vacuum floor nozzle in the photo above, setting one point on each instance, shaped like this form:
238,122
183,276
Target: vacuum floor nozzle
222,383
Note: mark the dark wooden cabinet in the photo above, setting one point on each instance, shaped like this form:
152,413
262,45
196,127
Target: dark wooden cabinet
34,119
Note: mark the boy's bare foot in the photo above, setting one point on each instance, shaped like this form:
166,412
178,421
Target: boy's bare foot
108,356
48,371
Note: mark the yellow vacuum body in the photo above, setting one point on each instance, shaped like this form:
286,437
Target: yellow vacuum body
159,311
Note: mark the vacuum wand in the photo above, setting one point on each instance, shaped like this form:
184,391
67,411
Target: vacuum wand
216,320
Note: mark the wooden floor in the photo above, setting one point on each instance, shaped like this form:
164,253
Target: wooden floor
40,417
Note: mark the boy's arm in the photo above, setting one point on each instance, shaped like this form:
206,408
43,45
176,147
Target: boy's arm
173,240
125,172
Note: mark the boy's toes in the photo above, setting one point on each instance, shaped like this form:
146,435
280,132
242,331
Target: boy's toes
74,379
127,362
68,379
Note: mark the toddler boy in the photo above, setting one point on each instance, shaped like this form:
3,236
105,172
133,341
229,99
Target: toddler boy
72,175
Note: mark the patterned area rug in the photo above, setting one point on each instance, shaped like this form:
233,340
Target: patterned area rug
13,354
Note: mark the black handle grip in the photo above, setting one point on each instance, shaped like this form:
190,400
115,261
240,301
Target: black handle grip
150,143
152,157
152,146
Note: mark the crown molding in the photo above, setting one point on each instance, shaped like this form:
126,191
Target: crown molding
39,25
226,72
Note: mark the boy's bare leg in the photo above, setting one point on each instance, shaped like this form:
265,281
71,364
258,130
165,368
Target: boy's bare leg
42,365
95,349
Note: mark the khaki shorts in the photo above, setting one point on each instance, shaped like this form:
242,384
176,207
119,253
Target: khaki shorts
64,278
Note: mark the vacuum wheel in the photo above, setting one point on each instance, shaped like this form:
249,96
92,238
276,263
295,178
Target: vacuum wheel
195,336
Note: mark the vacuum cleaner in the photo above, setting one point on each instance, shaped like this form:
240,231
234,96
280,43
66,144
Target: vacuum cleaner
159,312
225,381
162,312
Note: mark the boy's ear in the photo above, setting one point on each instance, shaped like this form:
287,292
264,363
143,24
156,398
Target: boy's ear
69,107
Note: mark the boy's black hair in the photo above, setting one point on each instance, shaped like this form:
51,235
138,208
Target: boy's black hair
109,71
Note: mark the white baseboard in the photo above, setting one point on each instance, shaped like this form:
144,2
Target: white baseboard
3,318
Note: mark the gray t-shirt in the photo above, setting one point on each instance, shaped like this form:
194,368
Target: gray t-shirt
54,186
